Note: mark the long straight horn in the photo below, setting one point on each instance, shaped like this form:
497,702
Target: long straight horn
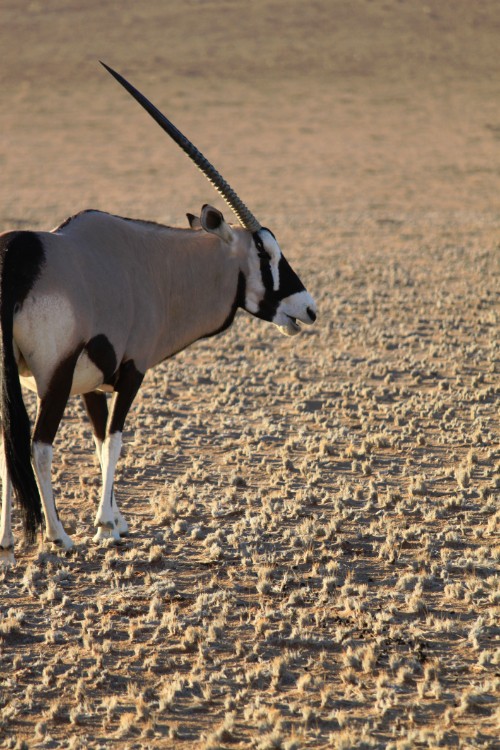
245,217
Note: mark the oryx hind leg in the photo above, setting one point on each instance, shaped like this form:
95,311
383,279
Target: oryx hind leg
6,536
50,411
96,404
126,386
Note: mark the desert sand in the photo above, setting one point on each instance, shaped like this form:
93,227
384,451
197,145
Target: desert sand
313,557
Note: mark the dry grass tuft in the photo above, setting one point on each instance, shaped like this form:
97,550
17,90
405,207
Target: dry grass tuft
313,551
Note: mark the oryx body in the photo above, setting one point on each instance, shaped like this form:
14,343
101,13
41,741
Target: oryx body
92,305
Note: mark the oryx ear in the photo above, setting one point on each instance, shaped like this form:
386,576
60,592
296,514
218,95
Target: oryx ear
212,221
194,221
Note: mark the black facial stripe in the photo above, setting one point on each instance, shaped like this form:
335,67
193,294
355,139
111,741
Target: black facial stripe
261,250
266,274
267,307
289,282
267,278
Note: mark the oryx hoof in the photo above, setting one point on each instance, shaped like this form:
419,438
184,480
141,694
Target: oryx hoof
62,540
122,527
105,532
7,556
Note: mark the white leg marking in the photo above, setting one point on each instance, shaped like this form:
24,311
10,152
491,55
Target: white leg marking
6,536
105,518
42,464
120,522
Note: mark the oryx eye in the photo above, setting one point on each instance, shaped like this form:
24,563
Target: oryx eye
261,250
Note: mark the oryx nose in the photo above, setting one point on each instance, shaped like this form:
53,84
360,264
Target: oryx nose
311,314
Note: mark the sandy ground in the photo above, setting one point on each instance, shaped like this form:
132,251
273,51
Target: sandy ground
314,551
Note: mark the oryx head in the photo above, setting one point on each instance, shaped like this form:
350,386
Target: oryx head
273,291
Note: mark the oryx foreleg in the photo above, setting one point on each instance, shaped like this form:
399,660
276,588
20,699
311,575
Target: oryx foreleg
126,387
96,405
51,407
6,536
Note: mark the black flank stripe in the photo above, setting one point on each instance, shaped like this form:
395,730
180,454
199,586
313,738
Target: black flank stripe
101,352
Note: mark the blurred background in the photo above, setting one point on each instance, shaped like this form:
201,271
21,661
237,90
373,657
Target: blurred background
308,109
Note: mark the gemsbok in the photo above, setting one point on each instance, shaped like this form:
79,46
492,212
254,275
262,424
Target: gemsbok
88,307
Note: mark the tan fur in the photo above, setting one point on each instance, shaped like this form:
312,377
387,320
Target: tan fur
151,290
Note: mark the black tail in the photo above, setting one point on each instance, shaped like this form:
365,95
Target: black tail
21,259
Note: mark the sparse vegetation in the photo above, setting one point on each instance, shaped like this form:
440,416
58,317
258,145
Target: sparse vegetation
313,557
291,581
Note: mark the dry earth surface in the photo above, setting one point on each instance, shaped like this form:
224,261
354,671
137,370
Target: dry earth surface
314,551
